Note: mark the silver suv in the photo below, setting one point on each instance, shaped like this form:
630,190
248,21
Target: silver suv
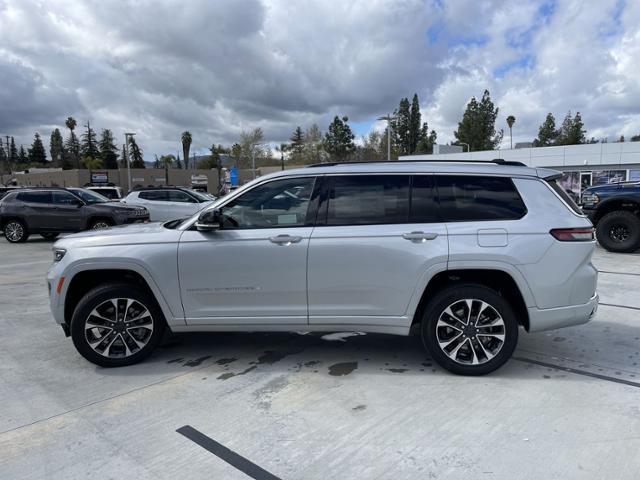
465,252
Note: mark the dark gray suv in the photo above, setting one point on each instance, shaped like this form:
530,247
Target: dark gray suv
50,211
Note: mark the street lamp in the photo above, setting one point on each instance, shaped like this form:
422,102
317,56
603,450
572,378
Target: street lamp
388,118
126,152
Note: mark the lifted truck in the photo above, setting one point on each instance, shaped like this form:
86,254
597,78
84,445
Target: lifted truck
614,209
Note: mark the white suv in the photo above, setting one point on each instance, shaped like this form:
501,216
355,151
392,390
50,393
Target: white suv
467,252
168,203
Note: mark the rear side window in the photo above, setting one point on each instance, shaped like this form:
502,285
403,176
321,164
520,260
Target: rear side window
367,199
424,205
471,198
35,197
556,187
178,196
154,195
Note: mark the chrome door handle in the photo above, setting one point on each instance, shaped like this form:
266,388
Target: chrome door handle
285,239
419,236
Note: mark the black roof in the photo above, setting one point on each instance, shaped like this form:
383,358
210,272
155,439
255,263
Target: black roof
497,161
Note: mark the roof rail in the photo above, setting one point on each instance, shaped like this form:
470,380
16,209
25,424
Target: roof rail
496,161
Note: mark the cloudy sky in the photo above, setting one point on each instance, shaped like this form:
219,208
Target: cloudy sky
217,67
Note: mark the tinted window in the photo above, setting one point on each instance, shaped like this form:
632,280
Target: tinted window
424,205
154,195
280,203
35,197
64,198
467,198
178,196
367,199
564,195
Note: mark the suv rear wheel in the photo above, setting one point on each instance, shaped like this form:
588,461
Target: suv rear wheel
100,223
16,231
469,329
116,324
619,232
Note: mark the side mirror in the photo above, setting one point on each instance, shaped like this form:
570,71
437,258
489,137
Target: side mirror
209,220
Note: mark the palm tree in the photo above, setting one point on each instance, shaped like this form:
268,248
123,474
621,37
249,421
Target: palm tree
166,161
510,121
282,148
186,145
71,123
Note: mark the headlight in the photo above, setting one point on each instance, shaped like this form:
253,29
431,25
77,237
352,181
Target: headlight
58,254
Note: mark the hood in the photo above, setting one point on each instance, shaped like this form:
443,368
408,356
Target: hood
134,234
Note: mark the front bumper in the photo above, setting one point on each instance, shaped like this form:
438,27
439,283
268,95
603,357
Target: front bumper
551,318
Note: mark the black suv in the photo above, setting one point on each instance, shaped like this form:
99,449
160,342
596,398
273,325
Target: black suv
615,211
50,211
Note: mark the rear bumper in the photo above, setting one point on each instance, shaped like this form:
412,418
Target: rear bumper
551,318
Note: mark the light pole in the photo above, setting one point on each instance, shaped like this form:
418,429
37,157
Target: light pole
388,118
126,150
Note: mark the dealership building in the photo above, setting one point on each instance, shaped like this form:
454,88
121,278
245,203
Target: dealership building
582,165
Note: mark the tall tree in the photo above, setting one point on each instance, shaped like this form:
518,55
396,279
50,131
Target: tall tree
37,153
135,154
415,121
478,125
186,146
89,145
4,163
91,163
572,130
56,148
23,158
165,162
313,146
296,148
108,151
510,121
338,141
251,146
401,127
217,162
547,133
178,163
123,157
13,152
72,145
427,139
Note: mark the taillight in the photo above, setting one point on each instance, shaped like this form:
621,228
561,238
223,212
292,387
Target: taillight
573,234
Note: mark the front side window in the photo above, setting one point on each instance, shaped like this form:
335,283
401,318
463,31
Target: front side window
367,199
471,198
180,197
89,196
280,203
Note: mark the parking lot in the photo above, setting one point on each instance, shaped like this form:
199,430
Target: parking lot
336,406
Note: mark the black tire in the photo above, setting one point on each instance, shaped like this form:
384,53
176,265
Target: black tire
462,363
15,231
99,223
49,235
99,298
619,232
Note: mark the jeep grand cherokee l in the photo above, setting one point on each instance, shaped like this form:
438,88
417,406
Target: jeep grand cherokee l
469,251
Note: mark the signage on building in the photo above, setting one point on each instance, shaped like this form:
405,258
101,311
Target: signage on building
199,180
137,179
99,177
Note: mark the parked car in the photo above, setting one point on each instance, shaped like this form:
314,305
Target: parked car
51,211
168,203
615,211
468,252
111,192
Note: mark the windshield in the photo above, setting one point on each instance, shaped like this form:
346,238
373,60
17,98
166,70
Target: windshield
89,196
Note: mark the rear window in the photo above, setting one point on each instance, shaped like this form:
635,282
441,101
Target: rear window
472,198
564,195
35,197
154,195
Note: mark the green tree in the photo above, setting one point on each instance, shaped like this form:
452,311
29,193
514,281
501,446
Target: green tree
250,146
374,147
313,146
123,157
510,121
165,162
23,158
4,163
296,147
338,141
621,139
135,154
37,153
56,149
186,140
547,133
178,163
108,151
478,125
13,152
401,127
427,139
91,163
235,154
572,130
72,145
89,144
415,121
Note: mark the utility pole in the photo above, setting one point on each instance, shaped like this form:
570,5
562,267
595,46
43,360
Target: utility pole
388,118
126,149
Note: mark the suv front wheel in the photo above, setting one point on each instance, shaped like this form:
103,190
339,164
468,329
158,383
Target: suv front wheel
469,329
619,232
116,325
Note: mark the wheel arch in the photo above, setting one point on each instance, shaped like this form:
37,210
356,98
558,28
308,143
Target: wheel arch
614,204
498,279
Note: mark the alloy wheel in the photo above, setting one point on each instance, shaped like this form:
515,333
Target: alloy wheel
470,332
119,327
100,225
619,233
14,231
